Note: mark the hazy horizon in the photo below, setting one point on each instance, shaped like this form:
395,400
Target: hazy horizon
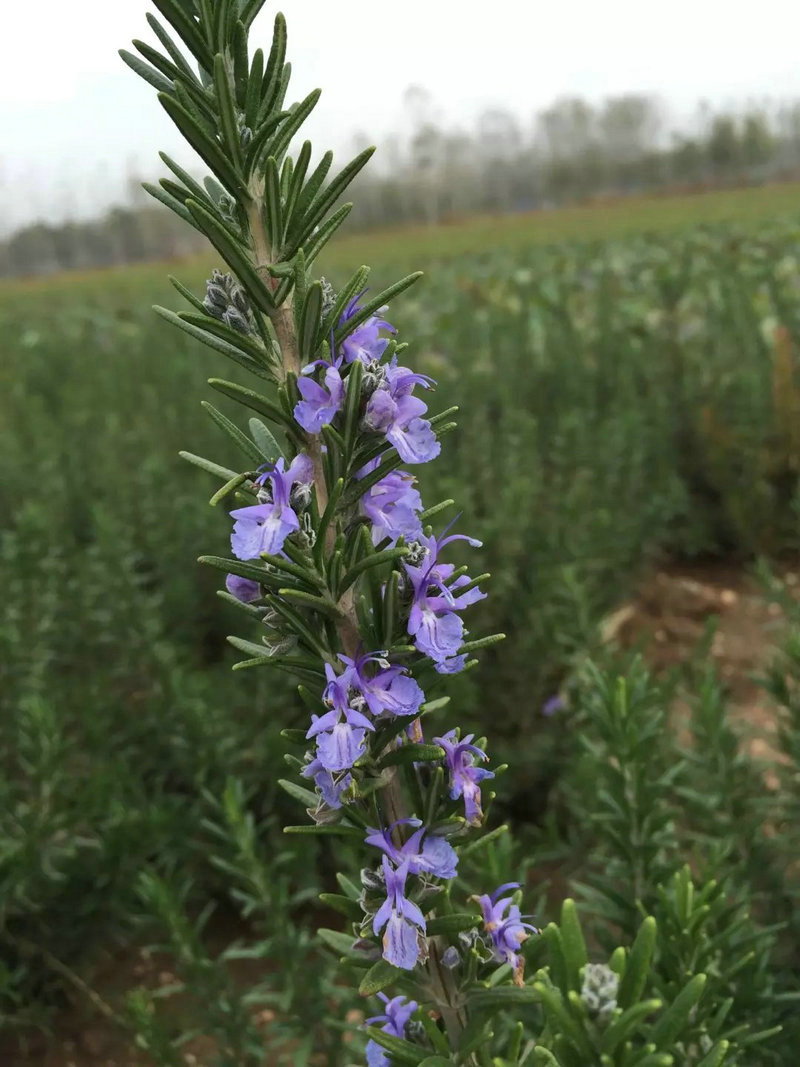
74,134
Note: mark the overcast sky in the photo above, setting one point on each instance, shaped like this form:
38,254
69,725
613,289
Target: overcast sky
74,121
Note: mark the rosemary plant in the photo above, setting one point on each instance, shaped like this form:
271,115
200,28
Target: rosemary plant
335,559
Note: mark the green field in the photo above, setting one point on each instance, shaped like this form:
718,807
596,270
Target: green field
628,384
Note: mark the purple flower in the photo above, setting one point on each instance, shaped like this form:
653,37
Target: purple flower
422,852
365,342
554,704
452,665
433,620
331,787
392,506
402,918
465,777
393,1022
393,411
503,922
243,588
264,527
390,691
341,737
337,692
320,402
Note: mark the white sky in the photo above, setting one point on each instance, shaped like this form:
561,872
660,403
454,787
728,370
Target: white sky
74,121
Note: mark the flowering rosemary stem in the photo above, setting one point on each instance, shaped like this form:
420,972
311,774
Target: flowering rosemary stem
442,987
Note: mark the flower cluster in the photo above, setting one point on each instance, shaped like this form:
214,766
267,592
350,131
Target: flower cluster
503,923
422,854
263,527
599,991
392,506
391,408
433,621
367,690
356,698
226,300
393,1021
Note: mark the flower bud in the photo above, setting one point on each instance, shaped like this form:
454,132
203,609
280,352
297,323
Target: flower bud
416,553
239,299
216,300
373,880
236,320
300,496
245,136
374,377
451,958
599,991
328,296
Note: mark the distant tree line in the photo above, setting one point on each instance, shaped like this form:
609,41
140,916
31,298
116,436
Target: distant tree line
572,151
124,235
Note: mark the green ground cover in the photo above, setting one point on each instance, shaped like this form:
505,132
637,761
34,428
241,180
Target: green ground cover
628,390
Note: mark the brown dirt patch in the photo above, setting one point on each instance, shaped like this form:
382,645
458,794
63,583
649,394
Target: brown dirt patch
669,617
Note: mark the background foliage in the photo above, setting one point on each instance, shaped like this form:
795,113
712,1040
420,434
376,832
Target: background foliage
623,401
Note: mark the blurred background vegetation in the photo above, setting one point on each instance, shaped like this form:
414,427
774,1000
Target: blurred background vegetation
628,388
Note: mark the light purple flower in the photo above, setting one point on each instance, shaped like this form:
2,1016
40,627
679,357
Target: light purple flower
393,411
393,1022
320,401
390,691
423,852
365,342
392,505
243,589
264,527
329,785
341,737
433,621
403,920
400,421
337,693
503,922
451,665
460,757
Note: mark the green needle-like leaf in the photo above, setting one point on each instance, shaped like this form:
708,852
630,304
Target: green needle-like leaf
265,441
144,70
205,146
309,322
380,976
247,446
638,964
375,304
227,111
210,339
187,29
234,256
407,755
674,1020
256,401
